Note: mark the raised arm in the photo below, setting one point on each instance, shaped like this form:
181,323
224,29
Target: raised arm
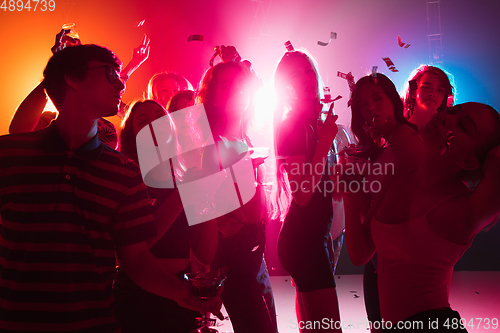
141,54
29,111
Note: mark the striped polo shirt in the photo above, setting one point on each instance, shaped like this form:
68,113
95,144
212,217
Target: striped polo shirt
62,214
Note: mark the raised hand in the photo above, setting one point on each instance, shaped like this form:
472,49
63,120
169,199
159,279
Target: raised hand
140,54
229,54
328,129
63,41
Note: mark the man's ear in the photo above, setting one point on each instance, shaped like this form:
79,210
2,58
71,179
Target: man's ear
71,81
468,163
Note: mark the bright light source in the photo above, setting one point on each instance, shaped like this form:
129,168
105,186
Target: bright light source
265,102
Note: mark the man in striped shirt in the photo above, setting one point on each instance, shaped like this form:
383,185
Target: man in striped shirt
69,205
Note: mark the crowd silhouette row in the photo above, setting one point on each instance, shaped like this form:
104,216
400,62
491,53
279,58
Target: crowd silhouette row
86,246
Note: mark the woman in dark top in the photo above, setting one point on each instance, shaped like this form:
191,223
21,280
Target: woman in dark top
225,91
428,217
136,309
390,141
302,143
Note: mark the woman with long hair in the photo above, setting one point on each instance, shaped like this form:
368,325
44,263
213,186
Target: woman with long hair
162,86
302,143
226,91
136,309
390,141
428,91
428,218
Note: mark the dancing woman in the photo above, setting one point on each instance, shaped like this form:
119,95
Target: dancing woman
390,141
428,218
301,145
138,310
226,91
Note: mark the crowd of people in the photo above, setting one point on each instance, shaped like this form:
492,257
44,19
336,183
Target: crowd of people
89,243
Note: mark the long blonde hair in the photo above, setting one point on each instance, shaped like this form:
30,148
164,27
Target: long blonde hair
281,194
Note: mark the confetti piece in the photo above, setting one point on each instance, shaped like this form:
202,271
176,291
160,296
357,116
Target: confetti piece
477,293
356,296
350,80
353,291
333,35
401,44
374,73
343,75
195,37
390,64
289,46
140,24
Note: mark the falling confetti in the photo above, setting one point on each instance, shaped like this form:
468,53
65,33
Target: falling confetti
140,24
390,64
289,46
195,37
401,44
343,75
333,35
374,74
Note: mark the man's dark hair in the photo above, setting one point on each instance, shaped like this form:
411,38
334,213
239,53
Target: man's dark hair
73,61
